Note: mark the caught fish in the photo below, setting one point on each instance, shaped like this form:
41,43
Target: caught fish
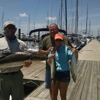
74,68
53,70
14,59
53,67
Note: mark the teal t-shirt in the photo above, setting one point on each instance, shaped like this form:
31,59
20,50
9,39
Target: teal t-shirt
62,57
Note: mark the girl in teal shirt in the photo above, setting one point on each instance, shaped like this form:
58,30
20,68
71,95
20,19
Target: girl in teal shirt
62,55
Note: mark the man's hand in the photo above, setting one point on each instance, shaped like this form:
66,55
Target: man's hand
45,52
27,63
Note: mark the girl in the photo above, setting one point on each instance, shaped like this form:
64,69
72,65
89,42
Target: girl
62,55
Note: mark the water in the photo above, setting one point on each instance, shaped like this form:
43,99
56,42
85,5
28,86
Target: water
31,44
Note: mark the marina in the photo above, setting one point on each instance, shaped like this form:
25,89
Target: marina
87,86
78,41
78,23
34,76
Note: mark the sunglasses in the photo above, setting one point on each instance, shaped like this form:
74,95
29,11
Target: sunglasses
10,27
58,40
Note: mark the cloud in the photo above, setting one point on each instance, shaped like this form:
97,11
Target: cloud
16,18
23,15
39,25
51,18
94,15
24,26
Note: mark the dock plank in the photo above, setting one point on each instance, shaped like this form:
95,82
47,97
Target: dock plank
94,83
35,71
78,86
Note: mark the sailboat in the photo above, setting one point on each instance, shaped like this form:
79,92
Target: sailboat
76,43
75,36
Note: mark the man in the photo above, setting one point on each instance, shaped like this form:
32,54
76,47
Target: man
46,46
11,80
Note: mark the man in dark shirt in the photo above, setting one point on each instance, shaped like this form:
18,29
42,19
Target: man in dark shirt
46,46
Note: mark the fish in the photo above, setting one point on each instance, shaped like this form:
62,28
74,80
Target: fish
11,60
53,70
53,67
73,66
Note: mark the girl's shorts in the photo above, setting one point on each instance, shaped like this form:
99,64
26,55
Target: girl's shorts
63,76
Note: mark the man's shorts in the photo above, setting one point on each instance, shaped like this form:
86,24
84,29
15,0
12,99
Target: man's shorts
47,79
63,76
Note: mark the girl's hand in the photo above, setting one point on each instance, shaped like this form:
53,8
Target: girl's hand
69,47
50,59
73,50
52,56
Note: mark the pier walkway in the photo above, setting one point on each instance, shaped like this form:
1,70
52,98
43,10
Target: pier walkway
87,86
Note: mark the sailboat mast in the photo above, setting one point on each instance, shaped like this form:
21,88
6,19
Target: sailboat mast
2,20
76,18
29,24
47,18
86,18
61,14
66,15
89,28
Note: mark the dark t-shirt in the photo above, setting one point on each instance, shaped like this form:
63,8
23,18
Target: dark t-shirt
48,41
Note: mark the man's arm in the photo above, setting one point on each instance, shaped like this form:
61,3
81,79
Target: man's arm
45,52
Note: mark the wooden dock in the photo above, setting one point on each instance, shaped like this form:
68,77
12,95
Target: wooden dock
87,86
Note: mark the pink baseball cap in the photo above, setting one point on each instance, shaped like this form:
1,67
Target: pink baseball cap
59,36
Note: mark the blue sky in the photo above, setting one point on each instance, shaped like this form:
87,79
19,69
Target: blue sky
38,13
